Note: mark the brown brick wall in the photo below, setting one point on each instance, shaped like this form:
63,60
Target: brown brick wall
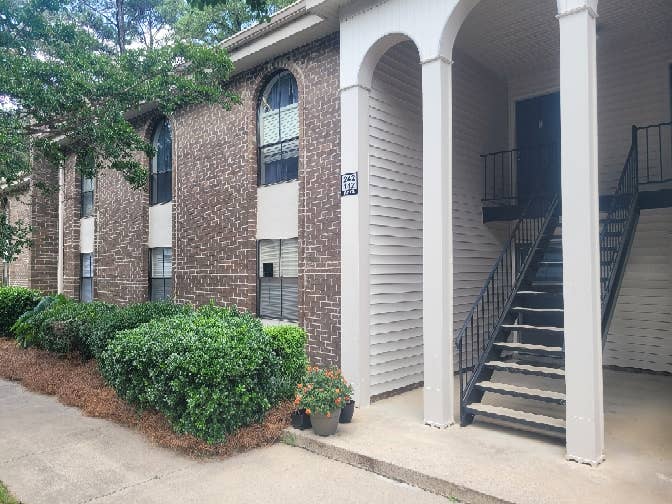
44,220
214,251
120,252
215,201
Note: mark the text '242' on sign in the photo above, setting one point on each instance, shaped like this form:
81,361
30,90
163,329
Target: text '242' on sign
349,184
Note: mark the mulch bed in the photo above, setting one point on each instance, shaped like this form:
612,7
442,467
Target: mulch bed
78,383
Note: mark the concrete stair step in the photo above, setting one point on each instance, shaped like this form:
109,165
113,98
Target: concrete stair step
526,327
531,349
513,367
524,392
524,309
517,416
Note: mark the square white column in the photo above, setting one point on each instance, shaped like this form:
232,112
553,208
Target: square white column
437,242
580,235
355,243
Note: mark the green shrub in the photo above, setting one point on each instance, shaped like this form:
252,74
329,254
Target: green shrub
289,344
210,372
65,326
102,330
26,329
14,302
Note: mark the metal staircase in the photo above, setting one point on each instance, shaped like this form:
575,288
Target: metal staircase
511,346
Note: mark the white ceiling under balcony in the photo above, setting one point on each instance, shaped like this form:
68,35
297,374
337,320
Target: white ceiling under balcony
513,36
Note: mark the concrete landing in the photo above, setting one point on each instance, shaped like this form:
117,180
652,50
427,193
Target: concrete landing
489,462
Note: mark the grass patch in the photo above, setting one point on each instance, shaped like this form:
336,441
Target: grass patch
78,383
6,497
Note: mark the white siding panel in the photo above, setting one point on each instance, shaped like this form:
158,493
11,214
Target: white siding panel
480,118
395,181
640,335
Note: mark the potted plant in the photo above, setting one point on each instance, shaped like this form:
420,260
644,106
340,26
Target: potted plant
349,403
301,419
322,396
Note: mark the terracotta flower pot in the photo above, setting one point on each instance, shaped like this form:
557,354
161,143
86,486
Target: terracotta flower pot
347,412
324,425
301,420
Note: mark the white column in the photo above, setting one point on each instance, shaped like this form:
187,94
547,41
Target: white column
580,232
437,245
355,243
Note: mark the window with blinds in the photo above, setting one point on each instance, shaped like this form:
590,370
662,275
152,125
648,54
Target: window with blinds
278,124
161,172
86,278
278,279
160,273
87,187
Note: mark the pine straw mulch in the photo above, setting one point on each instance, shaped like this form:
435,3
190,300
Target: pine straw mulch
78,383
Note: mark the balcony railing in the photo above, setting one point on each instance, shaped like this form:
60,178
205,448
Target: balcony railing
654,153
502,172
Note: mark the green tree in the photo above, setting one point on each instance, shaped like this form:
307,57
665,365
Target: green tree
211,21
13,239
73,73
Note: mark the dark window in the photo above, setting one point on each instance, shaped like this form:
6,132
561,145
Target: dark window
160,273
87,196
278,279
86,278
278,125
161,173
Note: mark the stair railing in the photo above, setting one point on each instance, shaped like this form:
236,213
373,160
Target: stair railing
487,314
617,233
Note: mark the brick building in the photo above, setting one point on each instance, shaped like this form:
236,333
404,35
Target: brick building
454,116
209,227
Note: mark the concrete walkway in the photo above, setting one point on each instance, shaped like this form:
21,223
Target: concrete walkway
50,453
486,462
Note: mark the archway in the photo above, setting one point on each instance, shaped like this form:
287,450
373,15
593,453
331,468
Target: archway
395,221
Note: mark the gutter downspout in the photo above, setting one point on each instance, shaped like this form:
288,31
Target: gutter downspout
61,211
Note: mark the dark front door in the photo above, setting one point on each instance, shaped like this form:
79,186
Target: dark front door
538,141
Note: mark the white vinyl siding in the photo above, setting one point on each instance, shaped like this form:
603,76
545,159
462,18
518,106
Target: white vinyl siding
395,181
480,118
639,335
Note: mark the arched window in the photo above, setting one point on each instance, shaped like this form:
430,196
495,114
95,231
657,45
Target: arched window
278,123
161,173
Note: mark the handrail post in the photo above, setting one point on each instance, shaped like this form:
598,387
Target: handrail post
635,154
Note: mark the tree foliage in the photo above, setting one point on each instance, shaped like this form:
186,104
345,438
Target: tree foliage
74,74
13,238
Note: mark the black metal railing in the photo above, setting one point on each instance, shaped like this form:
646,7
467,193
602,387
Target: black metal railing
654,153
477,335
618,230
502,169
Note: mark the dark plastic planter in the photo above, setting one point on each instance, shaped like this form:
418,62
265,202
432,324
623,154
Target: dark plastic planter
347,412
300,420
324,425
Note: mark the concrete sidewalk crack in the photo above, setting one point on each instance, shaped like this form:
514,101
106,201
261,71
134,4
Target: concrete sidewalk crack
156,477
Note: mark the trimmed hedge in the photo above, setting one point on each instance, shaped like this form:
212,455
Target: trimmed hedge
61,325
14,302
210,372
65,326
102,330
26,330
289,344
